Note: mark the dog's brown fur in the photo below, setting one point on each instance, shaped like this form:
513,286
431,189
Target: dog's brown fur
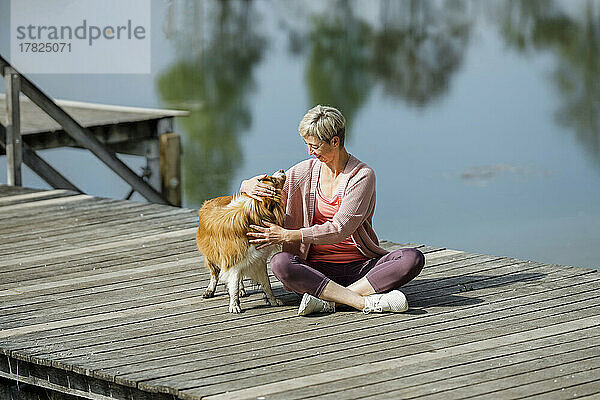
221,237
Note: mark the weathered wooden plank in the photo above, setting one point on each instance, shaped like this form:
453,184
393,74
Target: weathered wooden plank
140,240
98,276
32,275
88,212
133,286
106,234
94,212
97,287
62,333
210,322
58,309
94,257
101,255
46,215
442,253
48,218
137,259
585,391
236,377
43,203
123,228
457,350
89,115
155,333
176,292
316,333
339,343
6,190
46,247
431,376
133,241
19,198
71,293
41,282
93,215
96,261
40,327
147,253
525,384
422,379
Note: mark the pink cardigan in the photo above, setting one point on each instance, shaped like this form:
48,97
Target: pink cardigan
354,218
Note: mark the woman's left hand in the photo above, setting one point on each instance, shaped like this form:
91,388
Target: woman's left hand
272,234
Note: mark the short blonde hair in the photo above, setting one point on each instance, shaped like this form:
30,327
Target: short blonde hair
324,123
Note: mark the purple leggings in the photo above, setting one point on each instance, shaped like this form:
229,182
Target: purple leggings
383,273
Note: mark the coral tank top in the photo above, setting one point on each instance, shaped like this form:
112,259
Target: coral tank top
343,252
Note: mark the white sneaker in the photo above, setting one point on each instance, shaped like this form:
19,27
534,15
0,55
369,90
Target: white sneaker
311,304
394,301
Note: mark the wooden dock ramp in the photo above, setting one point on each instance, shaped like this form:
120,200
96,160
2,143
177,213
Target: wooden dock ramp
101,299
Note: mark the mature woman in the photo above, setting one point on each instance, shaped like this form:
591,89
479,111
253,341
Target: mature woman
331,253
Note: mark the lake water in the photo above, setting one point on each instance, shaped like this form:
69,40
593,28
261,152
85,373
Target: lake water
480,119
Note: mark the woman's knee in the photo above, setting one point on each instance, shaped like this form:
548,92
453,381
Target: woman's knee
282,266
414,257
417,260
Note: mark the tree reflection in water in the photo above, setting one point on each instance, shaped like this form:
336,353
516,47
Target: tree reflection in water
337,71
419,46
412,50
218,48
574,39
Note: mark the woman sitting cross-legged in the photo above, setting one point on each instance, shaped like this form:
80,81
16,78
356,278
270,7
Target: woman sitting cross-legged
331,253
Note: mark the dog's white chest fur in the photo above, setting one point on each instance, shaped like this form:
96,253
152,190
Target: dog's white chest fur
251,266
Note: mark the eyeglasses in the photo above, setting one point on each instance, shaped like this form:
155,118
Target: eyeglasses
314,147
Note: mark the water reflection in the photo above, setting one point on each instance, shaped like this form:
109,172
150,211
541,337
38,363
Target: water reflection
574,40
412,49
217,49
340,48
419,46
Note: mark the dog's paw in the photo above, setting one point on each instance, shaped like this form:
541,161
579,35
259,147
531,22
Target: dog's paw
208,294
235,308
274,302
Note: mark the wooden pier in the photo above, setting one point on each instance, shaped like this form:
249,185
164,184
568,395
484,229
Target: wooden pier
101,299
31,120
136,131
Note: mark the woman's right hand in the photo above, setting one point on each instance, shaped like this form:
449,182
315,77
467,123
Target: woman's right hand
255,189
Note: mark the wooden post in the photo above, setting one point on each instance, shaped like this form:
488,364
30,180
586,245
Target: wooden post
14,152
153,162
170,167
39,166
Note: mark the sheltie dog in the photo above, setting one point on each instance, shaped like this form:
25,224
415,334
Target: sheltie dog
221,237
